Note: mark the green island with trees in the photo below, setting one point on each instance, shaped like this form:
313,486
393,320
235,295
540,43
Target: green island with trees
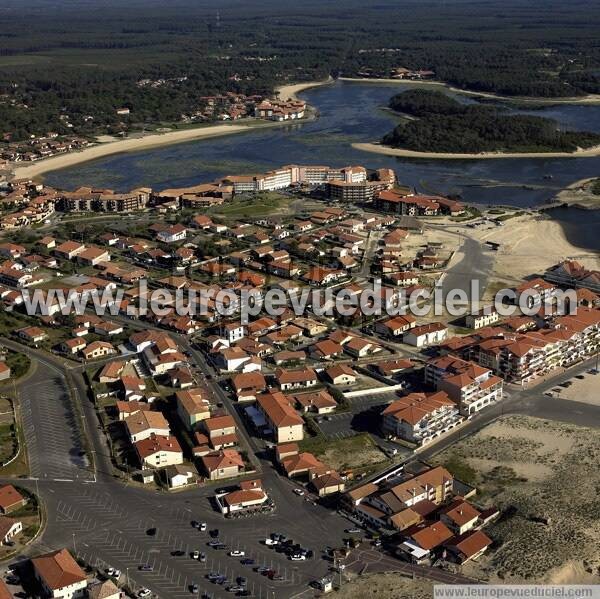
439,123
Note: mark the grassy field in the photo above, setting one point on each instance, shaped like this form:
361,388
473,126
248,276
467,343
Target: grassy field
356,453
262,204
19,364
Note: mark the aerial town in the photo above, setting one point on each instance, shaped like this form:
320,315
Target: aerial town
299,300
338,412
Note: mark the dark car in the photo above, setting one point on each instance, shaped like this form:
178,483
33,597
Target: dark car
145,568
242,581
151,532
193,588
214,533
247,561
177,553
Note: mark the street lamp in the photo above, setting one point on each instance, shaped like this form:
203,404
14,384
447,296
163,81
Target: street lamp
74,545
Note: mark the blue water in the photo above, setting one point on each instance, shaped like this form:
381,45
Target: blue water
348,113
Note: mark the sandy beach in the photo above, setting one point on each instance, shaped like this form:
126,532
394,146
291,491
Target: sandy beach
108,146
292,90
388,151
589,99
530,244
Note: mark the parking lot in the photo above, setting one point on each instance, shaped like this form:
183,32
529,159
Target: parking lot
51,430
109,527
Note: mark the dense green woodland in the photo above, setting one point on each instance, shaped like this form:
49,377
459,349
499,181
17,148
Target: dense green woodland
442,124
83,58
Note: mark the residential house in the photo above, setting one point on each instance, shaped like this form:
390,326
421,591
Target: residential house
98,349
426,334
59,575
341,374
320,402
284,422
144,424
178,476
158,451
10,499
193,407
295,379
9,528
224,463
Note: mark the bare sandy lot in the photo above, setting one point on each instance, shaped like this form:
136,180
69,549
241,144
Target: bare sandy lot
584,390
543,476
530,244
384,586
389,151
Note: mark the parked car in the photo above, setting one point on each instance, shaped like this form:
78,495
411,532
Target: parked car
299,492
247,561
202,526
202,557
151,532
193,588
237,553
113,572
144,593
353,531
145,568
297,557
195,555
178,553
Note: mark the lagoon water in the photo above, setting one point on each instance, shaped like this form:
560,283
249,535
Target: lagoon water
348,113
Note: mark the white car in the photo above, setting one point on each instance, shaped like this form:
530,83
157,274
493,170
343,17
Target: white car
202,526
299,492
113,572
195,555
271,542
237,553
298,557
144,593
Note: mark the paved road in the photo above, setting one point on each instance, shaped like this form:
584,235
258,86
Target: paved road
475,265
371,561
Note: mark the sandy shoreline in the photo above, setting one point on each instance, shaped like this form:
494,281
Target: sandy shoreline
388,151
579,195
154,140
103,149
292,90
589,99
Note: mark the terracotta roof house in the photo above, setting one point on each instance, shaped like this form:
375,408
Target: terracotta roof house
159,451
10,499
222,464
59,575
469,546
